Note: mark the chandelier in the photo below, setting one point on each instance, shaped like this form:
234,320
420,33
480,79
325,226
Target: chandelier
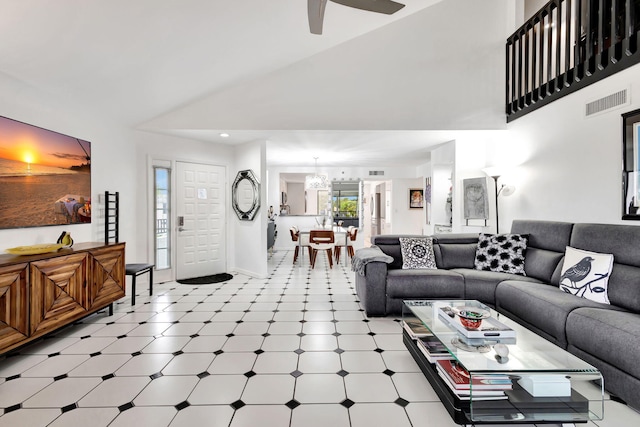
317,181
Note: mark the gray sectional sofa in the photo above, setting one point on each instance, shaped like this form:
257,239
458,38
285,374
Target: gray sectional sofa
606,336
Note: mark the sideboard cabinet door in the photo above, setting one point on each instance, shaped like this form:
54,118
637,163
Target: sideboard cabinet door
58,291
107,276
14,304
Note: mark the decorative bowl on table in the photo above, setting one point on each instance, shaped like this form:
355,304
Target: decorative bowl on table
471,317
42,248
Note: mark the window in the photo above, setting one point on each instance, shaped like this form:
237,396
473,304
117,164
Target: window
345,199
162,198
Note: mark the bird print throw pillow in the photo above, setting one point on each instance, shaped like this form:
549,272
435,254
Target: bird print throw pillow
502,253
417,252
586,274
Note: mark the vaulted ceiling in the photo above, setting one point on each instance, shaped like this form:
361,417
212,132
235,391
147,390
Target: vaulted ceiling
379,89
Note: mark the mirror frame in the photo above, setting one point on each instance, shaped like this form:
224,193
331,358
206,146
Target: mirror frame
630,165
250,214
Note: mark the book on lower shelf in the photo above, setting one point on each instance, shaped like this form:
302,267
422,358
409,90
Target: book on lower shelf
477,394
433,349
415,328
460,380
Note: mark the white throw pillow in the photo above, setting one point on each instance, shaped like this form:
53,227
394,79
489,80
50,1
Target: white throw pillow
586,274
417,252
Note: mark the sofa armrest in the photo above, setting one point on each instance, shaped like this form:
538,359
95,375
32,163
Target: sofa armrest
372,288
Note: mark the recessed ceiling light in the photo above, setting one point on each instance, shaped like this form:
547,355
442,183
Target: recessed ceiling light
224,135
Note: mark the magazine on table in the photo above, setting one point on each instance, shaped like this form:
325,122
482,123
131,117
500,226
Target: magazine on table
477,394
415,328
461,380
433,349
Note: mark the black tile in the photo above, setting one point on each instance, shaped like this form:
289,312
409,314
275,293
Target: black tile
230,335
142,323
204,374
378,350
97,353
178,353
12,377
295,373
373,334
388,372
336,334
54,354
182,405
194,336
338,350
342,373
60,377
301,334
125,407
250,374
266,334
259,351
218,352
137,353
238,404
69,408
108,377
347,403
206,322
109,323
85,337
292,404
239,321
13,408
400,401
156,375
298,351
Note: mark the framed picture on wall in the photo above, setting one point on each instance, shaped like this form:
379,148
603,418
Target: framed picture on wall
475,198
631,165
416,198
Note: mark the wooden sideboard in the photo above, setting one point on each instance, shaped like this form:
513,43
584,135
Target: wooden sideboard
41,293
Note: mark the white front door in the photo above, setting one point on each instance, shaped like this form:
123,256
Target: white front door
200,220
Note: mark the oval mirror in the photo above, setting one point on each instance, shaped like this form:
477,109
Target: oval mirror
246,195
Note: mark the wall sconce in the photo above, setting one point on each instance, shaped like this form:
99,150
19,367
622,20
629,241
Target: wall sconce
506,190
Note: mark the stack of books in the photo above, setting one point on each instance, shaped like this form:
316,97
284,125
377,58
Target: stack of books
489,387
428,344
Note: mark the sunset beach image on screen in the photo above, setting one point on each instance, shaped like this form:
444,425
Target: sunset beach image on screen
45,177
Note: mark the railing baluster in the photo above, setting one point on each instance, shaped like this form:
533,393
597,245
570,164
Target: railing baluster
526,66
534,53
600,60
549,32
577,54
559,76
541,80
567,45
628,27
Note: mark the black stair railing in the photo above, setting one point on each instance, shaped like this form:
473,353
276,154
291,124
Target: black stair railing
567,45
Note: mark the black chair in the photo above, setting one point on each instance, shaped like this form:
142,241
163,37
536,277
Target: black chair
112,235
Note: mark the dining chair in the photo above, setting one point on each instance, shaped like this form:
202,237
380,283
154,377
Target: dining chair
352,232
321,240
353,235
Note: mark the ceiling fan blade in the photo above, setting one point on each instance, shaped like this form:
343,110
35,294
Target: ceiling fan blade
316,15
387,7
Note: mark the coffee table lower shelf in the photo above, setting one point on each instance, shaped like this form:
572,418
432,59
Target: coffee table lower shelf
520,407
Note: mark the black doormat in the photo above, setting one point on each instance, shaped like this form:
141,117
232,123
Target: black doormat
206,280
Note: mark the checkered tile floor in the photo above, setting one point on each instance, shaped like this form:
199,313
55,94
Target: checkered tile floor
294,349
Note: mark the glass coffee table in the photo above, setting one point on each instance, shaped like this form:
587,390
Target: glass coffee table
524,379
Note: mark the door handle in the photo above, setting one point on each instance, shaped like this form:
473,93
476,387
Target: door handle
182,229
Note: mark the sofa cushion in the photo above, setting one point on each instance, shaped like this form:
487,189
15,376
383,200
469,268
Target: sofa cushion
409,284
540,307
548,235
502,253
481,285
585,274
608,334
417,252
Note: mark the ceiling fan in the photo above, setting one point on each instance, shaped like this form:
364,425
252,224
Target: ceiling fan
316,9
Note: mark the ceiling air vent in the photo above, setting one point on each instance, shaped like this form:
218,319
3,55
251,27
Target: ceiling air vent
372,173
608,102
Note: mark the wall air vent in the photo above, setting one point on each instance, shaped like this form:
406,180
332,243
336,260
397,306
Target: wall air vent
372,173
608,102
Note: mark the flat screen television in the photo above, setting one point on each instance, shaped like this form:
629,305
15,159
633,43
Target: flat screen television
45,177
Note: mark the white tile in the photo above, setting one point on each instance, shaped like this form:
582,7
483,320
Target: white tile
318,343
196,317
281,343
128,345
95,417
385,326
29,417
363,388
356,342
114,330
362,361
414,387
349,315
218,328
285,328
232,363
319,306
320,416
319,388
62,393
269,389
251,328
167,390
390,342
326,328
182,329
58,365
189,364
79,330
89,345
203,416
258,316
166,345
149,329
291,306
148,417
49,346
430,415
288,316
166,317
352,327
400,361
311,362
276,363
382,414
181,307
243,343
101,365
144,364
261,415
18,364
16,391
114,392
318,316
206,344
209,307
218,390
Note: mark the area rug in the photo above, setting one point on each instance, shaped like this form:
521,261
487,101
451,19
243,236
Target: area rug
206,280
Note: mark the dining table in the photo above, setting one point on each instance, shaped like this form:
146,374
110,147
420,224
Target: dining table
340,239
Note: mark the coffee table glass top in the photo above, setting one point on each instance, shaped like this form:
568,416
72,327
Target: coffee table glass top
528,352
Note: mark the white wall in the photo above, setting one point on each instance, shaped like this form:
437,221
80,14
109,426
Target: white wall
248,239
570,166
113,161
403,219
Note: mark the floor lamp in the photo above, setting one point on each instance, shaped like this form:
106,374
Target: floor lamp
494,173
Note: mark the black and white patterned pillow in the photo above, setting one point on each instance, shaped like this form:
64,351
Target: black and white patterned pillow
586,274
502,253
417,252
